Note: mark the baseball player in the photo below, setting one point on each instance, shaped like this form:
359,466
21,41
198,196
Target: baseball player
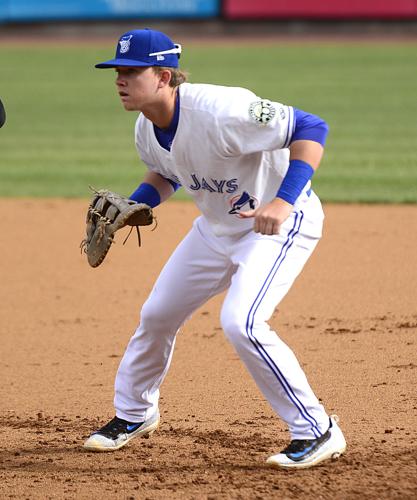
247,163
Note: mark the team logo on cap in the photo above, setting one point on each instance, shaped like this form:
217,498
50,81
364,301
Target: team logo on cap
125,44
262,111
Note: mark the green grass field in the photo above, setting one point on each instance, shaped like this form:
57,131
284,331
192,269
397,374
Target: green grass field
66,128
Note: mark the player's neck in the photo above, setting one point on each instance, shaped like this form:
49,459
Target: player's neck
161,112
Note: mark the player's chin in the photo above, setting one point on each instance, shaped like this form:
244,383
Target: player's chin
128,105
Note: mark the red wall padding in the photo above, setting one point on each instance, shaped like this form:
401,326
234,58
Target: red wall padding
336,9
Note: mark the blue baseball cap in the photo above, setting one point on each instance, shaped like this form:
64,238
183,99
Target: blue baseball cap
144,48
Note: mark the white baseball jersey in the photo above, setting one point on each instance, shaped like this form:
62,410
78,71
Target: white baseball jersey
230,152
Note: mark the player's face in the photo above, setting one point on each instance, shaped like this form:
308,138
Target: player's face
137,87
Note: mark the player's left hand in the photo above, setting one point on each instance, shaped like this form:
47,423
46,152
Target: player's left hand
269,217
108,212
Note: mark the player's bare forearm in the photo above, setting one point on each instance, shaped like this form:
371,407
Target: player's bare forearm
163,186
309,151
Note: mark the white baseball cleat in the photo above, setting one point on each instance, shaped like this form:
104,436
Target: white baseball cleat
119,432
303,453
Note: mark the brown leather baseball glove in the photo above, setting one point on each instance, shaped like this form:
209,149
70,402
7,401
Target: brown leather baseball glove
108,212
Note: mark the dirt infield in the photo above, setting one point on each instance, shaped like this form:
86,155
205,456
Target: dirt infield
351,318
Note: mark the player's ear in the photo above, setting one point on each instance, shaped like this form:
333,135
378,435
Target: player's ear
164,77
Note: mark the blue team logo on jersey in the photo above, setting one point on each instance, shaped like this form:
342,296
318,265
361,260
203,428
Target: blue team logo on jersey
245,200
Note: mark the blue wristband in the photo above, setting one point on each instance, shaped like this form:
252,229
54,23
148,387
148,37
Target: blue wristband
146,193
298,174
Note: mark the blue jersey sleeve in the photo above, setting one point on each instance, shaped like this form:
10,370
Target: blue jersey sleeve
174,184
309,127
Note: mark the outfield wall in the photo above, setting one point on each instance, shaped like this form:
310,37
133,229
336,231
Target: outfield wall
44,10
320,9
26,11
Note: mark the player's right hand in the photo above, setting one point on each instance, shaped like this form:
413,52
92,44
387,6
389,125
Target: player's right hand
270,217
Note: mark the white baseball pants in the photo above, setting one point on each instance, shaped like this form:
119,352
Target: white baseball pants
258,271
